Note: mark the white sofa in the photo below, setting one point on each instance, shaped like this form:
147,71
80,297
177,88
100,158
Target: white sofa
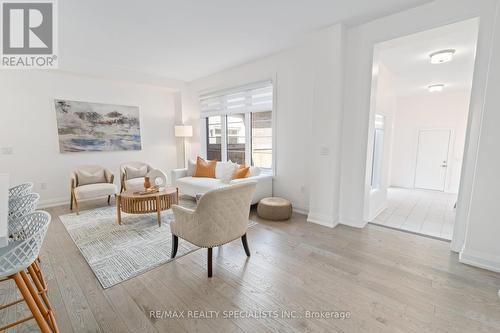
191,186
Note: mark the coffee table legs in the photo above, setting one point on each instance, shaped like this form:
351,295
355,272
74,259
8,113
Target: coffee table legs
158,210
118,209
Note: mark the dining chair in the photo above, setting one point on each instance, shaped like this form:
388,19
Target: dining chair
17,258
20,190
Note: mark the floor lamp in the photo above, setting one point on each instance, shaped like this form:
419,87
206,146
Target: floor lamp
184,131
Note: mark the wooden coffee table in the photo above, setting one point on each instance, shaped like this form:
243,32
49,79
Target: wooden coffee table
131,203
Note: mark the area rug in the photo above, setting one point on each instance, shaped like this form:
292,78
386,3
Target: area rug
116,253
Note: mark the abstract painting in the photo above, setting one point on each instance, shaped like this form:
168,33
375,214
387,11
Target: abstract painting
84,126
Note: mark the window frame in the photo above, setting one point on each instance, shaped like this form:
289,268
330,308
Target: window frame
207,136
248,130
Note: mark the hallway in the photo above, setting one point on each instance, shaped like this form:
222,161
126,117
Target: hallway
419,211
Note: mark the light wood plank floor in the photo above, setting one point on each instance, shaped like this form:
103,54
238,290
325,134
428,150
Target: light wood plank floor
388,280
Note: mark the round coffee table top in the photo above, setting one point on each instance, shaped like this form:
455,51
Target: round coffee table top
132,194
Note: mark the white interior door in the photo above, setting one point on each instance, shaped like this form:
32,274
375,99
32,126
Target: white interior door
432,159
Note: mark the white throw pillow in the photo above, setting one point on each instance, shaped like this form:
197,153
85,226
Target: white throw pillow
254,171
225,171
131,172
191,167
86,177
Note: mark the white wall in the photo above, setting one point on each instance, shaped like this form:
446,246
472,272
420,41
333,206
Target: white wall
4,208
308,81
384,102
445,110
28,125
327,48
482,245
360,42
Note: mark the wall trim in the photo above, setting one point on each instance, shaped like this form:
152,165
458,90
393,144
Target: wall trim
46,203
480,259
300,210
322,219
353,223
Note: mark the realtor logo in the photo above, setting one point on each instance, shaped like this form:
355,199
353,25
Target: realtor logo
28,34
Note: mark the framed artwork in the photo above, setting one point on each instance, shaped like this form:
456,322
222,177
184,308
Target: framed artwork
85,126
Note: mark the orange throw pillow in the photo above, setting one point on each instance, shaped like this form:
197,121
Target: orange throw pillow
242,172
204,168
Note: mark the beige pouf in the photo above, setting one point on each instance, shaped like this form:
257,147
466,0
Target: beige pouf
274,209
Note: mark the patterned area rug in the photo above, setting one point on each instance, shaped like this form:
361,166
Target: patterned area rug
116,253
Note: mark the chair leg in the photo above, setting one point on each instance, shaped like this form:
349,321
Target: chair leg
42,290
109,199
28,298
71,202
209,262
34,294
76,206
38,270
245,244
175,244
47,311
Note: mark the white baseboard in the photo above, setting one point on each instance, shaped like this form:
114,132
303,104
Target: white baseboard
322,219
300,210
481,260
46,203
353,223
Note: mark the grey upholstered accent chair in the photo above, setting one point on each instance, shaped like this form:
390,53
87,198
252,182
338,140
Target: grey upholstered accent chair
132,175
90,182
220,217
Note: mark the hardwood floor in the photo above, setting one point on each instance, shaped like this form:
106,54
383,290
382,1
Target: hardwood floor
389,282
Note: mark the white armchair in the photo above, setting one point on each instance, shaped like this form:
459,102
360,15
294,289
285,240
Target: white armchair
89,182
132,175
220,217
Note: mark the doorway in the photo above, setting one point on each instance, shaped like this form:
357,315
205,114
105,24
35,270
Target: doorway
421,90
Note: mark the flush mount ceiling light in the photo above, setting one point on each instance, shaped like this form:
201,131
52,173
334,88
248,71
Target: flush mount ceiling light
435,87
442,56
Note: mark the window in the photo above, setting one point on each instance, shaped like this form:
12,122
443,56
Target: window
214,138
378,152
262,139
239,125
236,138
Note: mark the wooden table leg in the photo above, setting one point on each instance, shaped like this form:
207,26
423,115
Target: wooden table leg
118,209
158,210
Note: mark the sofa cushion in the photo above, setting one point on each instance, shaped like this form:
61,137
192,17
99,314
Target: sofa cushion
135,184
242,172
242,180
197,185
205,168
191,169
131,172
95,190
225,171
87,177
254,171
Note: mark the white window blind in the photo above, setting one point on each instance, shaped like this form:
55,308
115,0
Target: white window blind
257,97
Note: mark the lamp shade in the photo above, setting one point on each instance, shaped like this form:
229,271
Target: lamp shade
183,131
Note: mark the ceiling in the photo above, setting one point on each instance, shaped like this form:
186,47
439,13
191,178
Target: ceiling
408,58
189,39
